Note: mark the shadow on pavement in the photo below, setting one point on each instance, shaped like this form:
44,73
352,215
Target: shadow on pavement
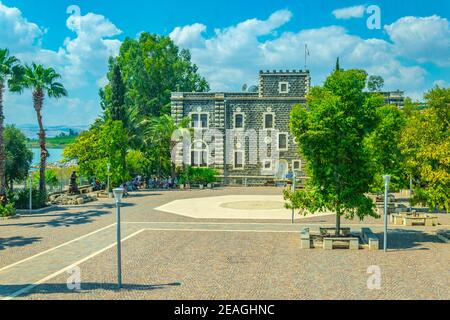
65,219
17,242
399,239
61,288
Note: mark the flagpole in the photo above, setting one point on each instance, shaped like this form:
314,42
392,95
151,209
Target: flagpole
306,50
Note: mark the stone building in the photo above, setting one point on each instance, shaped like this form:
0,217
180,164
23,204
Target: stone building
243,135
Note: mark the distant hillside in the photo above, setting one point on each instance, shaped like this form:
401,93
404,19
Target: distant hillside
31,130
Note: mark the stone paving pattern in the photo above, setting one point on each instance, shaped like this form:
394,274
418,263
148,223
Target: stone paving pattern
224,265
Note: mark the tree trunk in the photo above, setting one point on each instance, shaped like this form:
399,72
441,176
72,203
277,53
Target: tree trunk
338,223
2,150
38,100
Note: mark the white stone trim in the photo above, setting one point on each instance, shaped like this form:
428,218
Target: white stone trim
299,165
264,120
264,164
234,159
287,141
199,113
234,120
280,84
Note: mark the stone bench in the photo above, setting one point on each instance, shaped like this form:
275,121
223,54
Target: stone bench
305,239
428,221
370,238
332,231
353,242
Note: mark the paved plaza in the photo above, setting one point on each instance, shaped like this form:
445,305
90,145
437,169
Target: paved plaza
238,255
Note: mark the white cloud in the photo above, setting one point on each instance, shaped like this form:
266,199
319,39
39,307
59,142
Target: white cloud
234,55
81,60
188,36
424,39
349,12
16,32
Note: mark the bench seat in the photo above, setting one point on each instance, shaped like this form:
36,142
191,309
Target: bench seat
328,242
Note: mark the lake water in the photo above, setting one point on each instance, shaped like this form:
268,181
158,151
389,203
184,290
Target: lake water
55,155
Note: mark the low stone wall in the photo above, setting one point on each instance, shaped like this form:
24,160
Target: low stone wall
64,199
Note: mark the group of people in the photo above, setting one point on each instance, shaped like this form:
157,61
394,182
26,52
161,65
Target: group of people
139,182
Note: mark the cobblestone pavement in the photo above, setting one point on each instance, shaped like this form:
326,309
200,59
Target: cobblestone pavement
167,256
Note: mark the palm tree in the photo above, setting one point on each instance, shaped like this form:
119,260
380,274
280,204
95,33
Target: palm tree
9,71
41,81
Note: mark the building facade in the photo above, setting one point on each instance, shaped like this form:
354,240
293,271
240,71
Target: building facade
243,135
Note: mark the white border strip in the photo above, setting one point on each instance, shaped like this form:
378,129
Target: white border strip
31,286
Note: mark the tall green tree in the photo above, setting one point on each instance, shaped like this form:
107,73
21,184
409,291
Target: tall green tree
18,155
330,131
42,81
117,105
9,71
375,83
426,144
152,67
94,149
384,144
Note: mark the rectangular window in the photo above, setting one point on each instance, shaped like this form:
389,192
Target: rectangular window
283,87
204,120
296,165
199,159
268,121
267,164
238,121
238,159
199,120
282,141
194,120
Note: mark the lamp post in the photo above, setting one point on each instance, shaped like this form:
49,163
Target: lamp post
108,168
386,200
294,181
30,200
118,193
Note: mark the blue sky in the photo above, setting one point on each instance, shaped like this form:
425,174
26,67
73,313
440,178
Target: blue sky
229,40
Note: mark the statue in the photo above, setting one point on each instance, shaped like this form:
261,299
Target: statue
73,187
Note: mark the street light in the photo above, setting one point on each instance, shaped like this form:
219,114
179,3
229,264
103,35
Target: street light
118,194
386,200
294,180
30,200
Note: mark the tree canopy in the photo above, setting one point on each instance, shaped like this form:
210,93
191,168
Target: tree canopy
426,144
331,130
152,67
18,155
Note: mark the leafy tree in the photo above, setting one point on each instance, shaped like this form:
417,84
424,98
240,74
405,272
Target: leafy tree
118,90
41,81
375,83
384,143
331,130
338,67
137,162
152,67
9,71
426,144
18,156
100,145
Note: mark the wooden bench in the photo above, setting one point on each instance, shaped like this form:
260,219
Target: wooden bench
305,239
332,231
353,242
370,238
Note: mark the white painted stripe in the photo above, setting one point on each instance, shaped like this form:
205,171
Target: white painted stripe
31,286
219,230
54,248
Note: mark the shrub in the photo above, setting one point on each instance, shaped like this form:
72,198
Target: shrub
21,199
199,175
8,210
